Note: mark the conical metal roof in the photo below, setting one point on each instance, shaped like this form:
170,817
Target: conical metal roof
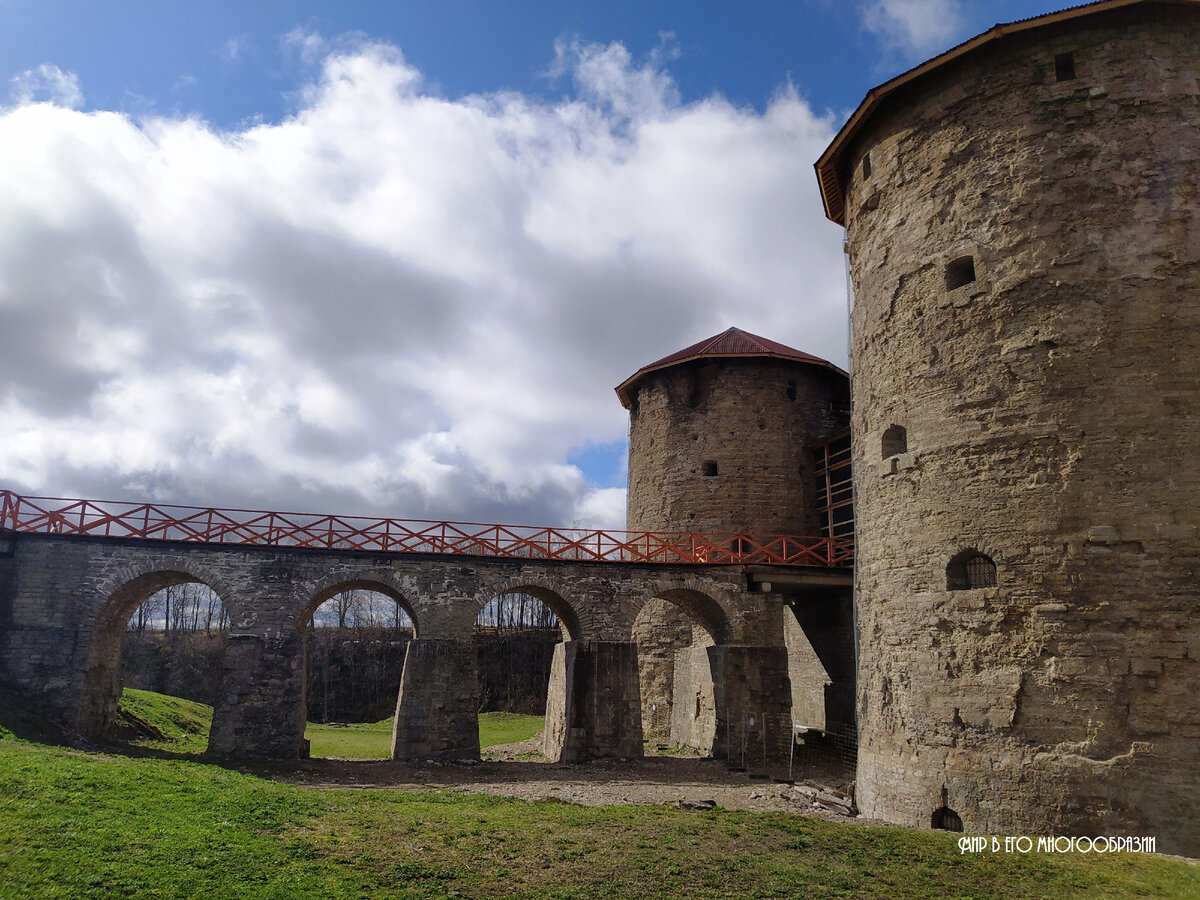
731,343
831,167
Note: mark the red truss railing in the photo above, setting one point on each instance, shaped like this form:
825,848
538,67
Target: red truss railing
244,527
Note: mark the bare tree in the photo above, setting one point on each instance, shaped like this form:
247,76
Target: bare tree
178,608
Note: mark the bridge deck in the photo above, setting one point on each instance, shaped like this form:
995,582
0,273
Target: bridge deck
243,527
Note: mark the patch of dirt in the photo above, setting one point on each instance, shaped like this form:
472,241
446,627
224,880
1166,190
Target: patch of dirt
519,771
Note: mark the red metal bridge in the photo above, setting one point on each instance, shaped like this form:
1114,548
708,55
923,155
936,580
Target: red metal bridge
244,527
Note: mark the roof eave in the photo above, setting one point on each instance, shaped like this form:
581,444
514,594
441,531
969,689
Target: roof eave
828,177
625,388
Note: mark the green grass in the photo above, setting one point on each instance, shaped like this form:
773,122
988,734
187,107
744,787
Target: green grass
373,740
169,724
369,740
165,723
507,728
78,825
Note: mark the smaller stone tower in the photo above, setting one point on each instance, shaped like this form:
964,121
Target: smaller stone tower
719,436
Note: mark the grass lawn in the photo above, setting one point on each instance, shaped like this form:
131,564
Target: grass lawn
159,722
83,825
77,825
373,740
361,740
507,728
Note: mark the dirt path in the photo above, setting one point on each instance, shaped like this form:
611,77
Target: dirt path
517,770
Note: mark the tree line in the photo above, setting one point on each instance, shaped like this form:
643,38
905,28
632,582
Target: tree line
354,651
181,607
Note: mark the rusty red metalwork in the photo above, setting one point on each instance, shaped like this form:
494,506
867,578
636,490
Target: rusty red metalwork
244,527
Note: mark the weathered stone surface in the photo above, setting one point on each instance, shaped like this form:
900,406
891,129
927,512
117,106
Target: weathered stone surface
660,631
752,420
723,444
594,709
694,712
67,601
437,710
1053,425
752,696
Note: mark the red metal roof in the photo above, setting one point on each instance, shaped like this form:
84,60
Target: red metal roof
731,343
830,167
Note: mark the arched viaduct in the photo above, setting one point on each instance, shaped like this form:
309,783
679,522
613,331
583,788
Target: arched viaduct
69,582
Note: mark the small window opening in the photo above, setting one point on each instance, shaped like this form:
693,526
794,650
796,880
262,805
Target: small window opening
959,272
946,819
970,570
895,441
702,382
709,468
1064,67
866,165
791,390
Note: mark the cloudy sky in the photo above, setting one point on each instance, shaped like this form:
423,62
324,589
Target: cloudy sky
392,258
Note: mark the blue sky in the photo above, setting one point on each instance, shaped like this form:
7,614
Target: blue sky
393,257
230,62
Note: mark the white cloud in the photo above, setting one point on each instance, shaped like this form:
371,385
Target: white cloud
309,45
391,302
914,28
46,83
232,49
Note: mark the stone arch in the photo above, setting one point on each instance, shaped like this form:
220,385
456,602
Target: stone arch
122,591
118,596
548,591
702,603
673,631
516,670
376,581
379,582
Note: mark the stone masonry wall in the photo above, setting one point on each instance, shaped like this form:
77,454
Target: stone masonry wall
1049,396
721,445
694,713
660,630
66,601
753,419
808,677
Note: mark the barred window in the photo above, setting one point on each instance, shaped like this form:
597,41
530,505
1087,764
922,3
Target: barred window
946,819
970,569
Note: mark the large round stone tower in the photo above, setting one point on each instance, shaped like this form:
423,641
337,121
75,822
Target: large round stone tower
719,436
1022,216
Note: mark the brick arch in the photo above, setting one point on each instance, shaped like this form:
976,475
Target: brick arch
118,596
549,591
381,581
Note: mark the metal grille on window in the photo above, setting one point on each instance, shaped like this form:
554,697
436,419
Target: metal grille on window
981,572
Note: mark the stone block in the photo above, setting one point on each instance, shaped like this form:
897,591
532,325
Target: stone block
437,711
